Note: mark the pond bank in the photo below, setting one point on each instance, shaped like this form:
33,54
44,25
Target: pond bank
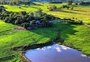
37,46
55,53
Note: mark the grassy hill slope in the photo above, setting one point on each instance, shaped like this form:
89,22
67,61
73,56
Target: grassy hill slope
76,36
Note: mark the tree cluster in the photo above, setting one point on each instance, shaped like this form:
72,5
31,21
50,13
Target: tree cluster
27,20
52,8
80,22
55,8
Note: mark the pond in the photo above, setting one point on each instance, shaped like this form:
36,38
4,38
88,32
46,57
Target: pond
56,53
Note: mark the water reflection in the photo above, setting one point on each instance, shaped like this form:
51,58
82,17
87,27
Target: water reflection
56,53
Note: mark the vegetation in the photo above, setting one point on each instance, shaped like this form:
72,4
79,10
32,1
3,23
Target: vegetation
79,13
73,36
10,37
27,20
16,19
52,8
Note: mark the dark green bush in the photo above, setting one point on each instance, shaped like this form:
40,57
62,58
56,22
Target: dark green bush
52,8
24,19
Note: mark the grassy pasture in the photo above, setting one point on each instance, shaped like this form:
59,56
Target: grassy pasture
79,12
76,36
9,38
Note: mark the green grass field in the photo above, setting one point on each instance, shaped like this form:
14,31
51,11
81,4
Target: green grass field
9,38
79,12
76,36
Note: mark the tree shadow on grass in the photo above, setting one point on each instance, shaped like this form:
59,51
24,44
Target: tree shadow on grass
4,59
50,32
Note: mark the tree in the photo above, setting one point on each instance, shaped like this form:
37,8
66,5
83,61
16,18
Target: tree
58,37
17,21
52,8
6,19
23,13
25,25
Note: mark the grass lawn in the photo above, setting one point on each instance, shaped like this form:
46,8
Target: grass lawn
76,36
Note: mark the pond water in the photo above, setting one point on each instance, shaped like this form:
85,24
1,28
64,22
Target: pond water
56,53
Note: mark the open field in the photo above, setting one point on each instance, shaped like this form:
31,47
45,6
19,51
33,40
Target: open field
79,12
9,38
76,36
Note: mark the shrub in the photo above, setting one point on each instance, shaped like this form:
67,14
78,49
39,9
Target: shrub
38,13
17,21
25,25
72,8
75,22
65,6
52,8
23,18
23,13
2,8
6,19
39,10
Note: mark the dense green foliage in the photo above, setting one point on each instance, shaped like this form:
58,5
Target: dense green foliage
27,20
